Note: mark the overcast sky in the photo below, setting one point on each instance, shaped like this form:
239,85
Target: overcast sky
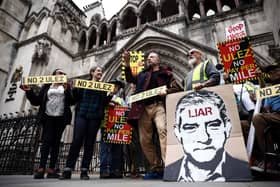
110,6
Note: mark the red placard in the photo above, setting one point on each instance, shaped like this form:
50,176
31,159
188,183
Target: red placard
237,57
115,126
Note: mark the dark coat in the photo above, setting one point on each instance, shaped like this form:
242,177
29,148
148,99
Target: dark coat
233,170
142,81
41,99
79,94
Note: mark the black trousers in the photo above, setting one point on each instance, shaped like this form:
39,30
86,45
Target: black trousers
85,131
53,128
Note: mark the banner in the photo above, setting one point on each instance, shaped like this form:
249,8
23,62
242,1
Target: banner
31,80
115,126
204,137
87,84
270,91
136,63
237,57
146,94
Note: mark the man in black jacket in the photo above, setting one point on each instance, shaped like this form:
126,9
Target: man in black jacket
152,109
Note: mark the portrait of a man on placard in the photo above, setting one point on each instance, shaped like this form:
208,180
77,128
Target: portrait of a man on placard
202,128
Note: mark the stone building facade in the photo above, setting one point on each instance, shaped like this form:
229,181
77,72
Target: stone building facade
38,36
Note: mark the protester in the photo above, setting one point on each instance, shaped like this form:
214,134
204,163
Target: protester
150,110
203,74
54,113
111,154
88,116
269,116
137,161
246,98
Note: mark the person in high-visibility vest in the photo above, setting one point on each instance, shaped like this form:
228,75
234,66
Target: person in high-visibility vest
203,74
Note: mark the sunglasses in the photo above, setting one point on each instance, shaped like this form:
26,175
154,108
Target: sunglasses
60,73
191,53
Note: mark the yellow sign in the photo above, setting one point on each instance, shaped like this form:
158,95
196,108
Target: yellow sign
136,63
31,80
102,86
268,91
146,94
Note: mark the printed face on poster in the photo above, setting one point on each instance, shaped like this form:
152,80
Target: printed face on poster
204,139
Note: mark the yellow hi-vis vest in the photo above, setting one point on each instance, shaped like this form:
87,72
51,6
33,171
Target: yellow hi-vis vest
197,75
250,87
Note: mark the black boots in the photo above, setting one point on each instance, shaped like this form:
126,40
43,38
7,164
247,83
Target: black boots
52,173
39,174
68,172
84,175
66,175
114,175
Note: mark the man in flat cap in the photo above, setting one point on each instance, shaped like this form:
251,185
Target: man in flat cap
203,74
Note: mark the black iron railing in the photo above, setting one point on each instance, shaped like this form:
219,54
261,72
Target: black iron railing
19,138
20,149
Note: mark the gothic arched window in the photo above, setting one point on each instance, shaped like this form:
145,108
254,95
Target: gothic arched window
148,14
129,19
169,8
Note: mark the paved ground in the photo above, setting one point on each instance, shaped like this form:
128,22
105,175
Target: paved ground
28,181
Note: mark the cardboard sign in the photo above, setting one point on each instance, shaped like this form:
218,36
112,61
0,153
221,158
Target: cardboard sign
204,137
136,63
270,91
93,85
235,31
146,94
31,80
115,127
237,57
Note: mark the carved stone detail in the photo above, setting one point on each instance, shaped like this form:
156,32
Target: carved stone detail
42,52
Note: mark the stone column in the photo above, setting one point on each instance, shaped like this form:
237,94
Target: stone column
219,5
181,7
201,7
97,38
87,43
188,19
236,3
158,7
138,20
109,35
118,29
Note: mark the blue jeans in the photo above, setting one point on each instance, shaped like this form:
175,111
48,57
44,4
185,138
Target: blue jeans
111,158
85,131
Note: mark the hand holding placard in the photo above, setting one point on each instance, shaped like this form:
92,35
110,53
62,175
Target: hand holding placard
126,58
147,94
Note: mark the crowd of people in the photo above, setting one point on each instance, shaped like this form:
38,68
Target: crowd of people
147,116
